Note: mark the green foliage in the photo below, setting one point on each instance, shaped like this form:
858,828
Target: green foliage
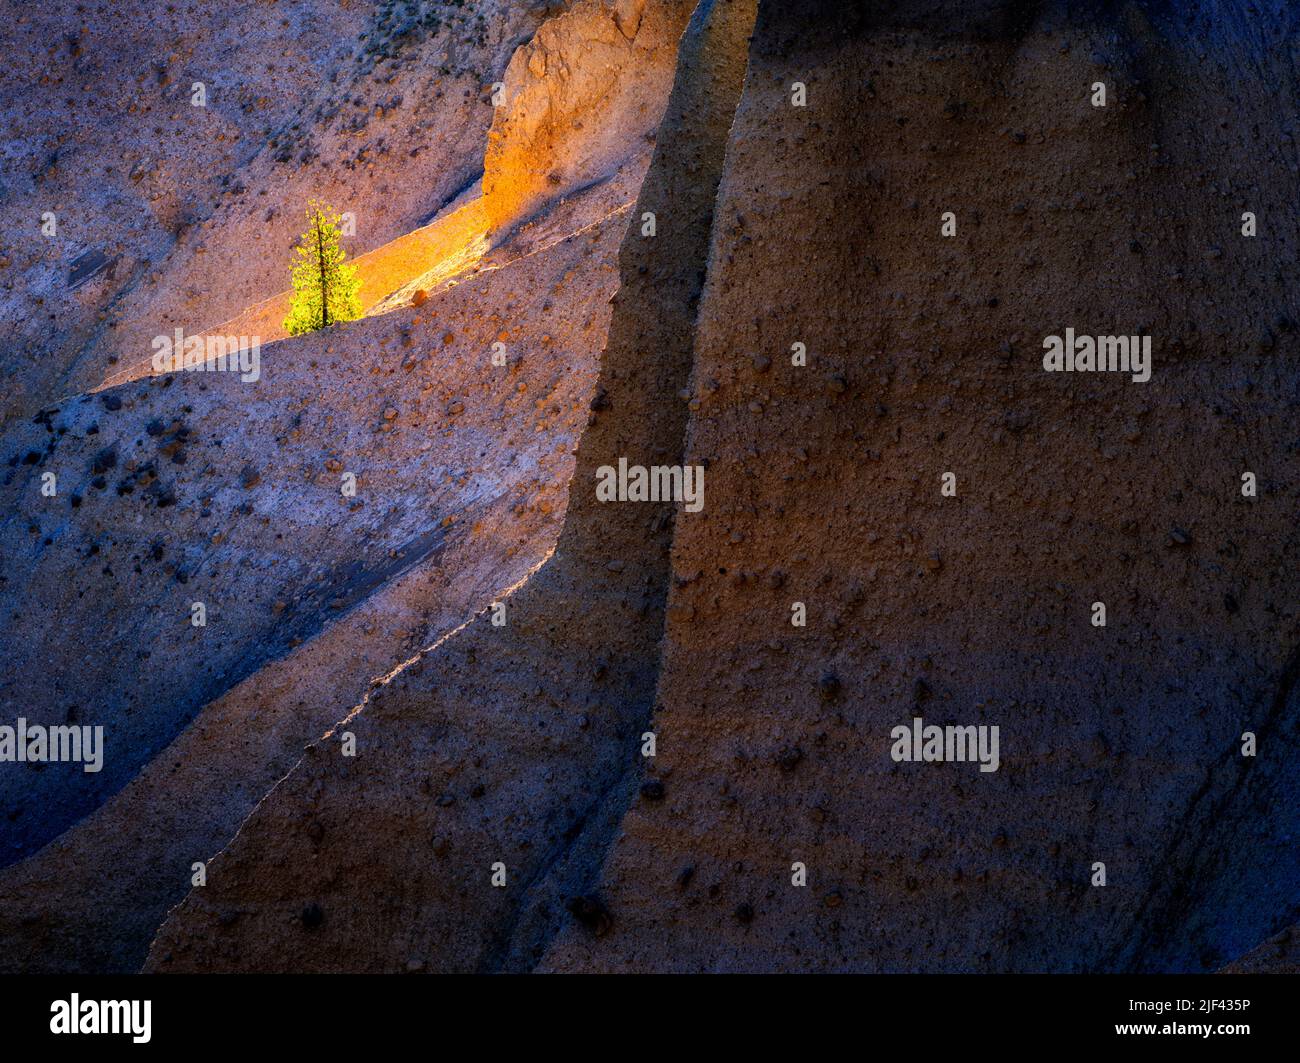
324,285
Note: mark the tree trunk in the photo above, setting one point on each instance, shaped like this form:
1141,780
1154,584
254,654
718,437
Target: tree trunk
324,290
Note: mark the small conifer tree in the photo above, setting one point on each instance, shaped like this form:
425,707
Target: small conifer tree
324,285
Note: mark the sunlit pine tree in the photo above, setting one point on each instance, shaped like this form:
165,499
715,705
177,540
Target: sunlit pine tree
324,285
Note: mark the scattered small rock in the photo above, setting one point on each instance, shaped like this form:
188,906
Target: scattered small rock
829,686
652,790
788,759
104,460
591,912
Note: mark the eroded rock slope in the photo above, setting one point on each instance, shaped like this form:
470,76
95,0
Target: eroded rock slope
1119,745
326,516
511,744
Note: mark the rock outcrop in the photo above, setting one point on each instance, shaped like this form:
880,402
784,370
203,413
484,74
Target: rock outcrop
591,83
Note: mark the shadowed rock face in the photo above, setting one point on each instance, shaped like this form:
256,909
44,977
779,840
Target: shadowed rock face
1119,744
